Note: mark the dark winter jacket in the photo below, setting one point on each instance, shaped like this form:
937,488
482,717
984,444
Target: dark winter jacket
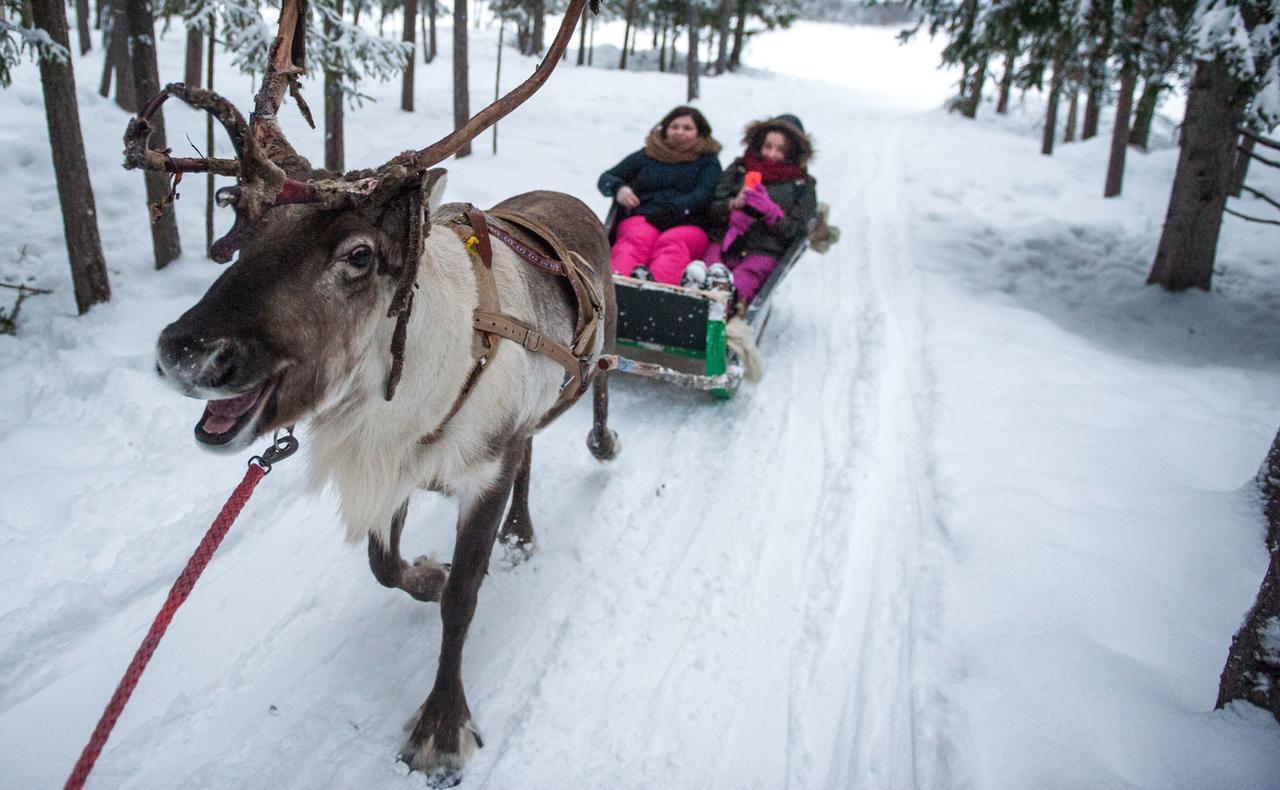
798,200
670,194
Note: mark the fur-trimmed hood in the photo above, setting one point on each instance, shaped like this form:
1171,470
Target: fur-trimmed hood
789,125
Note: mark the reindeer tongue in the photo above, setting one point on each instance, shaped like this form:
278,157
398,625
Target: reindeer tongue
221,415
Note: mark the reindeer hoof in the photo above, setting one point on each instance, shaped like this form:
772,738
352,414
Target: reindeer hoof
441,768
425,578
516,550
604,445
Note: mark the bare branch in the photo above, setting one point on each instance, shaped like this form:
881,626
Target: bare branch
1259,139
1252,219
1260,195
1259,157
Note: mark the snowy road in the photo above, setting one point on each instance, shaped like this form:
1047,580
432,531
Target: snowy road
763,593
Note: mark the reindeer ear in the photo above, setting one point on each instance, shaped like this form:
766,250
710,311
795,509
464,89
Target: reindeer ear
433,186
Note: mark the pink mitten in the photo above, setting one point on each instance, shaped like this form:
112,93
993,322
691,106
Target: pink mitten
739,221
759,200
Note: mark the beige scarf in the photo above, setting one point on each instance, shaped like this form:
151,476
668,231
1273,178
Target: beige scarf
674,151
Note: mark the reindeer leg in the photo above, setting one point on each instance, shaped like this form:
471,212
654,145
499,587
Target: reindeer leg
424,579
517,529
443,737
603,442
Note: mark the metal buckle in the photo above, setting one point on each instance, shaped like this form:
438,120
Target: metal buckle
532,340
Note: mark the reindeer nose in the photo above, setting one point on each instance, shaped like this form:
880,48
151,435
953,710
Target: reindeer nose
208,364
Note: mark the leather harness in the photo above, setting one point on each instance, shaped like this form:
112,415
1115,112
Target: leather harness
475,227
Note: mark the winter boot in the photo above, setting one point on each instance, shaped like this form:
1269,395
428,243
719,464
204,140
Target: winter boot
719,278
695,275
642,272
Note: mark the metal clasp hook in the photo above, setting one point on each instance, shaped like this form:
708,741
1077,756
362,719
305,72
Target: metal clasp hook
281,448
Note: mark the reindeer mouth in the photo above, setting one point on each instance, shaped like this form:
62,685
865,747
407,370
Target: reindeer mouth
226,419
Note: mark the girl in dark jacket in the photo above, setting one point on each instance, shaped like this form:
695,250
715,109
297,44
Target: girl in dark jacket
756,224
663,190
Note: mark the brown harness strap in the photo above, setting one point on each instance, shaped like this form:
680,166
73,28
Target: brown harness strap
570,265
490,323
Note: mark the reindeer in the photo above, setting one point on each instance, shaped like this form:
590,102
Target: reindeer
425,354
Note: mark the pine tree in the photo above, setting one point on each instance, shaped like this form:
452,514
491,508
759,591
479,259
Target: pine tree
49,41
1236,83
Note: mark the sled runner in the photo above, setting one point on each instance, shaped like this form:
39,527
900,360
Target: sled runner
683,335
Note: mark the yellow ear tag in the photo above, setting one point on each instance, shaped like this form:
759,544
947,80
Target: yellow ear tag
472,244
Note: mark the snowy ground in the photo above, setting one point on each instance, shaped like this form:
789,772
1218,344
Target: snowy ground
982,524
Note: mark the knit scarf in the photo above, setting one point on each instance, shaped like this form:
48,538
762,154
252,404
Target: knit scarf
773,172
675,151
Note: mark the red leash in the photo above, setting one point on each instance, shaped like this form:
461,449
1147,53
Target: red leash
281,448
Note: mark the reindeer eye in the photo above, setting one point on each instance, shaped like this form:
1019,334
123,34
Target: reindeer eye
360,258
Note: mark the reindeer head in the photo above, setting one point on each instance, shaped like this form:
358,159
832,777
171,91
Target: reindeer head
323,258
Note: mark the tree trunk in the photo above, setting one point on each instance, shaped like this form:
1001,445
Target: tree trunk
82,26
1189,241
662,52
410,36
497,78
1252,671
1101,20
1051,114
146,81
739,33
104,85
432,9
1073,114
626,33
1140,135
210,184
1241,169
722,53
1120,133
75,192
973,91
116,31
195,54
591,42
539,26
1134,30
334,139
1006,80
691,61
583,22
461,89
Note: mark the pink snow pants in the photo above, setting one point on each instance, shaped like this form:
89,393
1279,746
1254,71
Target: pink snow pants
749,273
666,252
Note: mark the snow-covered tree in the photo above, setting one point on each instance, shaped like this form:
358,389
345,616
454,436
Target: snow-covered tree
1237,53
18,40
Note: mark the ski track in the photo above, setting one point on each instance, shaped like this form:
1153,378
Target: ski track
781,629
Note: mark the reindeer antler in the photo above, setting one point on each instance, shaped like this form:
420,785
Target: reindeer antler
270,172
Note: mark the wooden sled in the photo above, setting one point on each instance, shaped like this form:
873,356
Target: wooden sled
678,334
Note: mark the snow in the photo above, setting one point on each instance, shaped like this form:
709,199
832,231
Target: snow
987,520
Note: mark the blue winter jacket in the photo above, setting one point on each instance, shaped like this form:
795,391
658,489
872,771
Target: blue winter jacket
670,194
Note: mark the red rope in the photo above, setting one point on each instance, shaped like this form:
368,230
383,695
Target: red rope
177,594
